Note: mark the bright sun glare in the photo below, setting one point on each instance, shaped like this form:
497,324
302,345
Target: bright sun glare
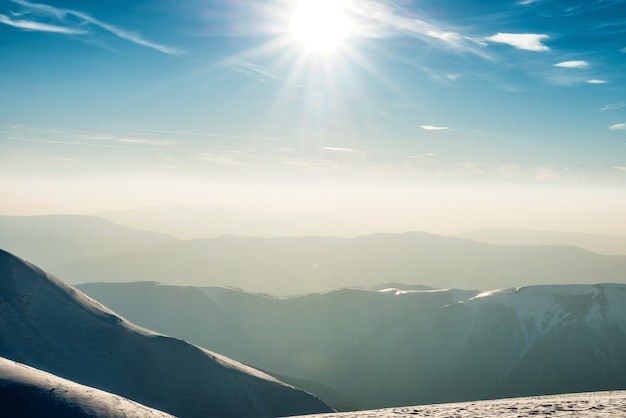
320,25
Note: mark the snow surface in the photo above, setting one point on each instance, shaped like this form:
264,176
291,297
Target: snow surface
546,306
592,404
28,392
52,326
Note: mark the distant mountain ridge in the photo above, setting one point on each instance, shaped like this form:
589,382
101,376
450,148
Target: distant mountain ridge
597,243
53,327
300,265
50,240
397,346
195,222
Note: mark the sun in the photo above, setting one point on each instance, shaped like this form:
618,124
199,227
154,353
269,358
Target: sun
320,25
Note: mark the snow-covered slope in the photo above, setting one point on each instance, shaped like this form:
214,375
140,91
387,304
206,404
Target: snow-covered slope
591,404
26,392
51,326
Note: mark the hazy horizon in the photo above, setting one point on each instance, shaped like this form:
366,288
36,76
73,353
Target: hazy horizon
439,116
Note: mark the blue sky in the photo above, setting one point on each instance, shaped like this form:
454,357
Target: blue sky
468,104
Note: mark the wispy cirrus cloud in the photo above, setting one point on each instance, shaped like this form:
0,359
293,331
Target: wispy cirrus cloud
612,106
40,27
523,41
572,64
595,81
382,18
618,127
434,128
67,21
620,167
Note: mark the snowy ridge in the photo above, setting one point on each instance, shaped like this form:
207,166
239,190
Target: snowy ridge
54,327
549,306
28,392
592,404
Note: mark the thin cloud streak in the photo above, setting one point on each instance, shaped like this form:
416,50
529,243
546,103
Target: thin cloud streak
618,127
387,17
434,128
572,64
61,14
596,81
613,106
523,41
40,27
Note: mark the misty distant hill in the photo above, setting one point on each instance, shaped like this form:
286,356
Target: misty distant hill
56,239
53,327
192,222
30,393
298,265
374,349
597,243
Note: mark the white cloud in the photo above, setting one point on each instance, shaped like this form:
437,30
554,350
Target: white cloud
596,81
41,27
613,106
620,167
618,126
434,128
572,64
524,41
527,2
85,19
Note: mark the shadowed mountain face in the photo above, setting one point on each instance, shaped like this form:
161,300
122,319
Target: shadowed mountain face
56,239
373,349
56,328
30,393
284,266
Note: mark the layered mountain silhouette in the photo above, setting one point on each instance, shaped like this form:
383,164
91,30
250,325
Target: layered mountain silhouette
597,243
37,238
55,328
30,393
372,349
191,222
287,266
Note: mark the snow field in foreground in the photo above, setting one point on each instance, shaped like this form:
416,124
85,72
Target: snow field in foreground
592,404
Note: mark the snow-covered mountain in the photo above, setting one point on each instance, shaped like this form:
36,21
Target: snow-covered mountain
398,346
51,326
30,393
